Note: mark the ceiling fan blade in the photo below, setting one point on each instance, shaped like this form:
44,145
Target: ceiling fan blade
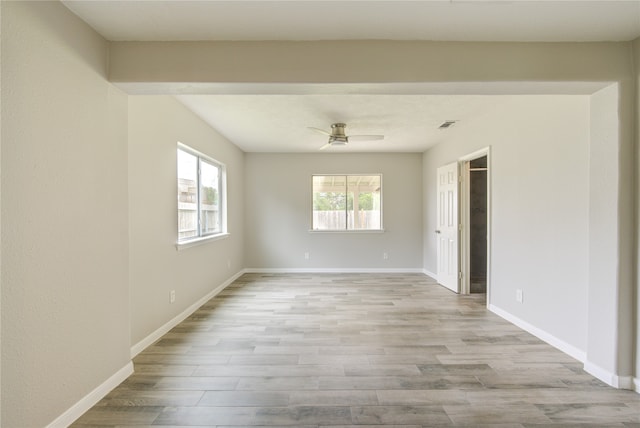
322,131
326,146
365,137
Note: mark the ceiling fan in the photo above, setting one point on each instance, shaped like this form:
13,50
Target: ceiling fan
337,136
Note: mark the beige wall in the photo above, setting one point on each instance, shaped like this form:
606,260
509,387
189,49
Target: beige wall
65,296
608,307
156,125
636,55
278,213
0,218
65,218
539,178
153,64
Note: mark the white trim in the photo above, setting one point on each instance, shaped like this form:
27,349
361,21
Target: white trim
334,270
475,155
600,373
183,245
625,382
465,237
571,350
636,384
429,274
189,149
222,192
611,379
90,400
150,339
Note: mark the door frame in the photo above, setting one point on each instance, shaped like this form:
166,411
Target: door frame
465,220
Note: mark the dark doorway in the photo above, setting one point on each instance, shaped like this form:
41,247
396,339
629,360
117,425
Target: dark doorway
478,225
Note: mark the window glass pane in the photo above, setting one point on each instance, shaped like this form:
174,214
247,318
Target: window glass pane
347,202
201,197
329,202
209,197
187,195
364,201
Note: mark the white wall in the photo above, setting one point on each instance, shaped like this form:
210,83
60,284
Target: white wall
278,213
156,125
539,207
65,299
604,304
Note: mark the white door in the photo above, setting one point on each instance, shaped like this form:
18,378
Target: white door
447,227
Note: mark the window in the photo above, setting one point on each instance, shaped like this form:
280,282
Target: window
347,202
200,195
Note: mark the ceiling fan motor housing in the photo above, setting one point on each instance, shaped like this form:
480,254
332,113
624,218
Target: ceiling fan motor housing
338,135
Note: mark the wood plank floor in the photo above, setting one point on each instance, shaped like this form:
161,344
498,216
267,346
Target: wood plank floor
339,350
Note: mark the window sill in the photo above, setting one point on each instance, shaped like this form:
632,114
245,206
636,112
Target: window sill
199,241
347,231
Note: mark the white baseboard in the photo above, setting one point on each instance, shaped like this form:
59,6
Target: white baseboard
150,339
636,384
612,379
429,274
86,403
78,409
625,382
571,350
333,270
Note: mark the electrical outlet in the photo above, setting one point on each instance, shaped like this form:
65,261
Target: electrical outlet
385,256
519,296
172,296
306,255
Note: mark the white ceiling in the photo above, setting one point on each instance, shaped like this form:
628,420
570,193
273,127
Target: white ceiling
450,20
268,122
279,123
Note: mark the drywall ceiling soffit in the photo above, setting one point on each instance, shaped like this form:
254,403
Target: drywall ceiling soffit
441,20
275,118
413,88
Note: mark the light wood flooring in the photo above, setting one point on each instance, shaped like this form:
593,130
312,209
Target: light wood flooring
338,350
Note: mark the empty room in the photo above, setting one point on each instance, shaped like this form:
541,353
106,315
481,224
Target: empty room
320,214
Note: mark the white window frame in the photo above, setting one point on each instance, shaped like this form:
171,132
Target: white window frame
222,196
347,230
